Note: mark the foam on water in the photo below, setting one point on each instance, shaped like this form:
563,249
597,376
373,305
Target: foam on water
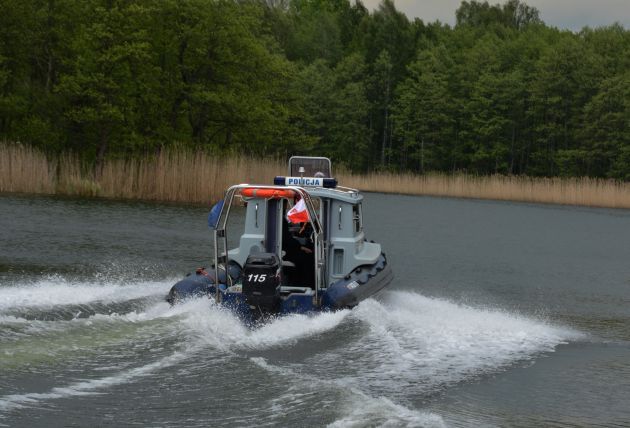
368,411
427,343
407,344
198,319
220,328
414,346
354,407
55,313
38,343
407,325
154,311
56,291
70,335
199,322
88,387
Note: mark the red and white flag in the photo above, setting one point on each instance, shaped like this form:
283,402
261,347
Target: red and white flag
298,214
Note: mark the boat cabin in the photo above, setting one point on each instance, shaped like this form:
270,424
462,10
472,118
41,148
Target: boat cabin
300,247
313,254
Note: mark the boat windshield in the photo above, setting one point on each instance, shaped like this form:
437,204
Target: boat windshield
313,167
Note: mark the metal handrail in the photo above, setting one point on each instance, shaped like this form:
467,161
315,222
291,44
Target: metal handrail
225,212
346,189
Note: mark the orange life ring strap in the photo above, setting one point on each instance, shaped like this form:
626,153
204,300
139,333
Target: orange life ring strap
255,192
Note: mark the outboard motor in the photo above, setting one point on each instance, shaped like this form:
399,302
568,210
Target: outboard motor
261,282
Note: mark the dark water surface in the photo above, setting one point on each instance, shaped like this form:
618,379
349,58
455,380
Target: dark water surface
500,315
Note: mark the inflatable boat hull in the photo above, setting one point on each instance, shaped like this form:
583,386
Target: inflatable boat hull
364,282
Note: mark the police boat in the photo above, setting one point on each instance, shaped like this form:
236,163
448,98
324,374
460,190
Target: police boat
301,247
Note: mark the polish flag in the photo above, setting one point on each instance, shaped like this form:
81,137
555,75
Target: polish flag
298,213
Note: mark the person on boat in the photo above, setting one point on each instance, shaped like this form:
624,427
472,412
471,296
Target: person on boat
298,249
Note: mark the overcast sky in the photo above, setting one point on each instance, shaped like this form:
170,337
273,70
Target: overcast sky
569,14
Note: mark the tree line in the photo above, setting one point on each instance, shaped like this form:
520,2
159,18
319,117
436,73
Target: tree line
498,92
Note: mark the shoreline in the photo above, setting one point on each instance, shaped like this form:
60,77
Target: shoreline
197,179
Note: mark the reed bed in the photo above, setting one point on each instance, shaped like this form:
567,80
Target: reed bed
182,176
582,191
199,178
168,177
25,169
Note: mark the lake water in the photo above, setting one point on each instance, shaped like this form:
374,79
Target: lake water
501,314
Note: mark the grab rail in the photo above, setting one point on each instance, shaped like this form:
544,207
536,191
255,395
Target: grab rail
219,231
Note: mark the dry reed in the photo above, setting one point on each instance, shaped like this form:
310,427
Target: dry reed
198,178
25,169
566,191
181,177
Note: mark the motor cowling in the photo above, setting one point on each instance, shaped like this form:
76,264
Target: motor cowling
261,282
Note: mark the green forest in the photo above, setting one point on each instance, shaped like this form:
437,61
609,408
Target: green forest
500,92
